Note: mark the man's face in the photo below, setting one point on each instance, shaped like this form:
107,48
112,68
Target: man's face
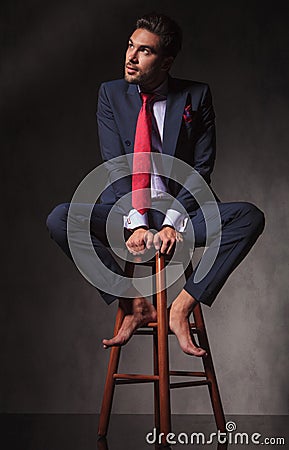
144,63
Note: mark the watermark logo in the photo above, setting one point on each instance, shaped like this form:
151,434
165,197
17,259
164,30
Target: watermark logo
231,436
231,426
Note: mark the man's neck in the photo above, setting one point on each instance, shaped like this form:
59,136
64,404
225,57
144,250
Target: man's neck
160,88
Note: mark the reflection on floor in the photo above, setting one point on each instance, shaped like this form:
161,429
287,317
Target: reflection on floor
136,432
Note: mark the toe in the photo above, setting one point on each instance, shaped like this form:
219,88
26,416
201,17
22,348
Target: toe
110,342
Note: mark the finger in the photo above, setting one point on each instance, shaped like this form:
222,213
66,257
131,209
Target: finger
164,246
157,241
140,246
129,246
179,241
141,252
170,248
133,246
149,238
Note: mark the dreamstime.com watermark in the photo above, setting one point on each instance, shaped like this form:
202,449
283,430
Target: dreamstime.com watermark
231,437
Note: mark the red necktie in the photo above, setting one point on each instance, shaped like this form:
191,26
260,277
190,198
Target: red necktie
141,176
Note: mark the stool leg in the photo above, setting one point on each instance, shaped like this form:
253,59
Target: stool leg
209,369
112,369
109,382
163,354
208,362
156,362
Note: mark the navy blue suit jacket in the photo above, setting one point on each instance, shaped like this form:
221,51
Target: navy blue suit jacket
189,135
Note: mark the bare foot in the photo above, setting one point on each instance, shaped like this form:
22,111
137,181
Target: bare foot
138,312
180,312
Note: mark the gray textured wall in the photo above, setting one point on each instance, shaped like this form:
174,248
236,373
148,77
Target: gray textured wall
55,55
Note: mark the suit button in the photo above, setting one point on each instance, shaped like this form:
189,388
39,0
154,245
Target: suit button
127,142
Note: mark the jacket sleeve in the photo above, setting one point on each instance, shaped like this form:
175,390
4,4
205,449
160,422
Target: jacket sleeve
204,154
119,176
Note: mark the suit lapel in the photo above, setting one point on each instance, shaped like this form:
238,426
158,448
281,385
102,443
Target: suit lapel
176,101
131,109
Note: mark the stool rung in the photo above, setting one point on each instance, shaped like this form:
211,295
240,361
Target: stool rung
135,377
133,381
184,373
144,332
146,328
155,324
189,384
151,325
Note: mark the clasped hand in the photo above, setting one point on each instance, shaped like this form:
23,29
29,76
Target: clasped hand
142,240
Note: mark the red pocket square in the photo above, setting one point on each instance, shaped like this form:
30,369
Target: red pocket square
187,115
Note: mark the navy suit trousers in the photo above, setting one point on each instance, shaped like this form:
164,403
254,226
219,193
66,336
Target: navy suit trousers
241,222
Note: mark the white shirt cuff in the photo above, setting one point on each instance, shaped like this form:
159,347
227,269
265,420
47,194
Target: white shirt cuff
175,219
135,219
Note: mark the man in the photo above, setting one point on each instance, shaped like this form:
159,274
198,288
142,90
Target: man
175,117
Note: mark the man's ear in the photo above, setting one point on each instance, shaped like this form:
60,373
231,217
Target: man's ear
167,63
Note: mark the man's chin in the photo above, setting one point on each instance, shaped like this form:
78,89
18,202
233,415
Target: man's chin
131,79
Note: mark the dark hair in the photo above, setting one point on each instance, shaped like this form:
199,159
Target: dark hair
166,28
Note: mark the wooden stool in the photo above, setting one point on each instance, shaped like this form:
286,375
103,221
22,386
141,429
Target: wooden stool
161,377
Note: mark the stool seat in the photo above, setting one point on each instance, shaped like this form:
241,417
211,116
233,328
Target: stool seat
160,331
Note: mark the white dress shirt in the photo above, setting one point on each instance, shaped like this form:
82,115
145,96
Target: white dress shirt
158,187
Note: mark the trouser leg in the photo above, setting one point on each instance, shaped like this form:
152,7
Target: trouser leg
88,245
242,223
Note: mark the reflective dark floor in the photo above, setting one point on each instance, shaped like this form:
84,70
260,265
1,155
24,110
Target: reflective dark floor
131,432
